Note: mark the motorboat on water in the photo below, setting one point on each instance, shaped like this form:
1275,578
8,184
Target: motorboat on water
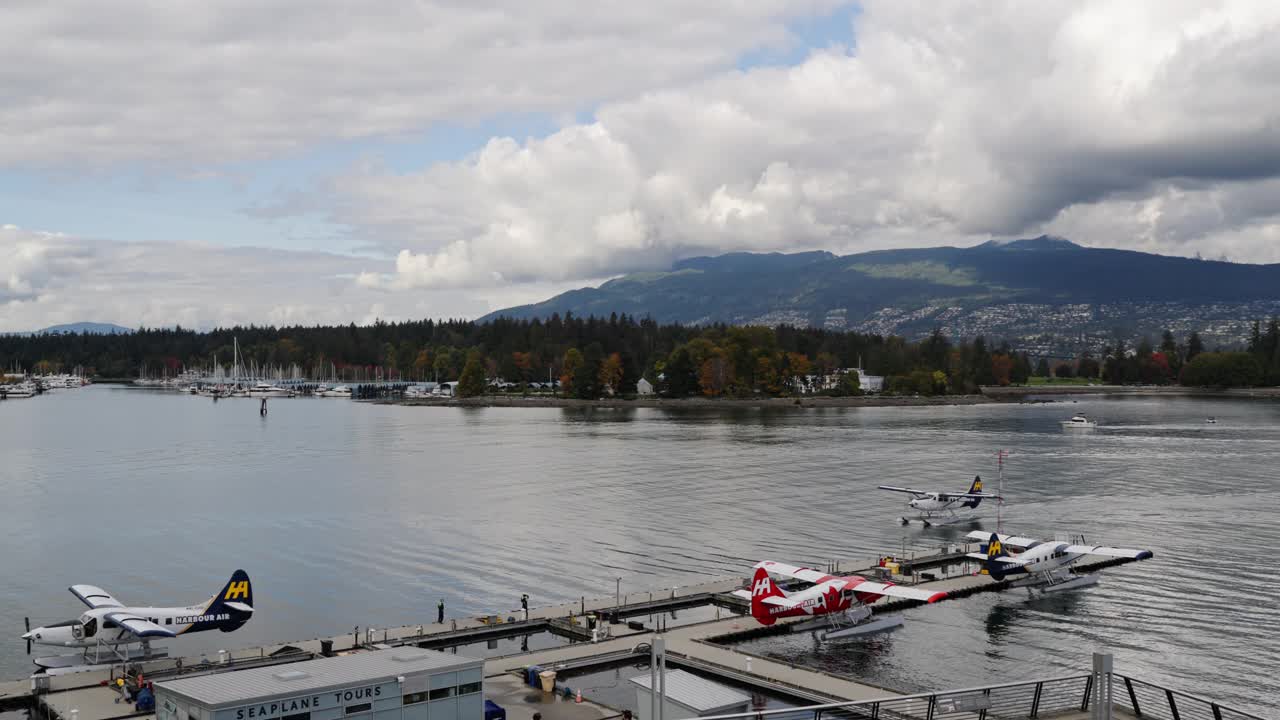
17,390
341,391
1212,420
1079,420
267,390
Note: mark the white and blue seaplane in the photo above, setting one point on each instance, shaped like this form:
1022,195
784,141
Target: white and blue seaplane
109,630
1042,566
940,508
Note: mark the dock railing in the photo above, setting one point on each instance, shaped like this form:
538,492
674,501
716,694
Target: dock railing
1025,700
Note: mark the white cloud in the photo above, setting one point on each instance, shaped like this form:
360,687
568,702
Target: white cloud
49,279
193,82
1146,125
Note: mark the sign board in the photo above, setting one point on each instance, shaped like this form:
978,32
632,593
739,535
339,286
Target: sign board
969,702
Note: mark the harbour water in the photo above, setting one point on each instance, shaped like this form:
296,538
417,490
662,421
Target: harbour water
350,514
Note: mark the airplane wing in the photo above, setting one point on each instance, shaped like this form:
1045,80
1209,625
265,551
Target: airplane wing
892,488
138,625
793,571
966,496
1109,551
898,591
1022,542
94,597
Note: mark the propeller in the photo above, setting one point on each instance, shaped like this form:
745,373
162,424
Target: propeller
27,620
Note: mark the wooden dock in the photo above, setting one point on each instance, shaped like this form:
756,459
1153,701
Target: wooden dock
701,646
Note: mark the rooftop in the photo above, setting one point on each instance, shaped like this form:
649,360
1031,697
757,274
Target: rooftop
694,692
243,687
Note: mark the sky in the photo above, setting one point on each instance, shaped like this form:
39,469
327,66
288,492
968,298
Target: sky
290,162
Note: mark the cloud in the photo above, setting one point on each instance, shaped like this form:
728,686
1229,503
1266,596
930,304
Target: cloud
1146,125
49,279
187,82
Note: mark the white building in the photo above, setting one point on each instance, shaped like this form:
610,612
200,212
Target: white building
395,684
688,695
644,387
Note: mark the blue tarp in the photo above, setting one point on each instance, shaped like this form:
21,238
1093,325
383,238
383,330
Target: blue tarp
492,711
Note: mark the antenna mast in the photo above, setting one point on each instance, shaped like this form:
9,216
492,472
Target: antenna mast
1000,456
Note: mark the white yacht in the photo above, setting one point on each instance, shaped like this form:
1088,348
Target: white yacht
342,391
1079,421
267,390
17,390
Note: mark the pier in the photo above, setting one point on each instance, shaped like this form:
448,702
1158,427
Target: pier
600,635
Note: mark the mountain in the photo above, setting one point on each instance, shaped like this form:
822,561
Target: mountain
87,328
1044,294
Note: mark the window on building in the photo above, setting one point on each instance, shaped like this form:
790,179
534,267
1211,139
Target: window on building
414,698
168,621
357,709
469,688
297,716
441,693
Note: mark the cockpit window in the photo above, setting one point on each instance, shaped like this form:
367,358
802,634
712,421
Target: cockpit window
90,627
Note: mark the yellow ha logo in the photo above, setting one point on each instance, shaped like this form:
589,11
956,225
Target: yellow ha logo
996,548
236,590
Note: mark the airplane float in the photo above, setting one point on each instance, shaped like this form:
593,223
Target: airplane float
105,631
1043,566
939,508
839,603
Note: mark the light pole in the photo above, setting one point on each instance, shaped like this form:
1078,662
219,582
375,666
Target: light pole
617,593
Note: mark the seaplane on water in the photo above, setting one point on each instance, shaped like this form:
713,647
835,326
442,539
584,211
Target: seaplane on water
1040,565
838,603
939,508
105,632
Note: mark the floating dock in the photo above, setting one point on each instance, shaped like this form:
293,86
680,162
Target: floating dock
702,646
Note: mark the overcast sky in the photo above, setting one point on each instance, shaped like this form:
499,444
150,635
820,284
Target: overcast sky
321,161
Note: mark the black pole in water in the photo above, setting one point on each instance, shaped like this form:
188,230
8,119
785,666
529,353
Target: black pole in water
263,409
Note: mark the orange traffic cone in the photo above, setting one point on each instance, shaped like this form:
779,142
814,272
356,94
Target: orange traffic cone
578,699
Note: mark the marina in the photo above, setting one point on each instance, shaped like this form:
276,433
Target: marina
604,639
363,544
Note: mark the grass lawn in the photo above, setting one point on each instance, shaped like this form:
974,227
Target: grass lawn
1035,380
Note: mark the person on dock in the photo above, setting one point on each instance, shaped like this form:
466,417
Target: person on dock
524,604
121,689
440,612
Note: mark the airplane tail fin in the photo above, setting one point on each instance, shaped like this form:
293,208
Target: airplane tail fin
234,599
762,587
975,487
995,550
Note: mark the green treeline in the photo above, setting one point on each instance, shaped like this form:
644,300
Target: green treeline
594,357
590,357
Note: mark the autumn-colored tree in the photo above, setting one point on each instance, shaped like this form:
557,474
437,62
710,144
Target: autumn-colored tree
825,364
767,375
569,367
715,376
524,365
1001,367
610,375
422,363
797,371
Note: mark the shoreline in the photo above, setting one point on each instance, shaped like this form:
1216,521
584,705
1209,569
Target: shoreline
1023,394
699,403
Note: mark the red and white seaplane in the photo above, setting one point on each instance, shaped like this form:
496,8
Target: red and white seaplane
837,603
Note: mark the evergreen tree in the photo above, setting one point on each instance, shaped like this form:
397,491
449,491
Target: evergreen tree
472,381
1042,368
1195,345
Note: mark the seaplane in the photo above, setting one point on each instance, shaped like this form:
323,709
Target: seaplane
106,632
1040,565
839,604
939,508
